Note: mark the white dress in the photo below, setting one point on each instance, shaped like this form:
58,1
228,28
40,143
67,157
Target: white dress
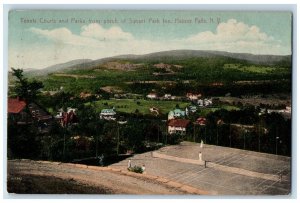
200,156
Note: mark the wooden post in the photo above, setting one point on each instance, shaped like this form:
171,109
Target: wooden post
217,135
259,131
194,132
230,134
97,147
118,131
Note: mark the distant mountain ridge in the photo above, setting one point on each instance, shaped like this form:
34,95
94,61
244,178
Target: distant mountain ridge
198,53
163,55
59,67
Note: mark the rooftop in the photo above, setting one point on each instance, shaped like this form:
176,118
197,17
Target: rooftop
15,105
179,123
108,111
177,112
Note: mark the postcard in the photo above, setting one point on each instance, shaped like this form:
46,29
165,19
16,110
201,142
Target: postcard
140,102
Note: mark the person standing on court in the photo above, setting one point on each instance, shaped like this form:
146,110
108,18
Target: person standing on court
129,164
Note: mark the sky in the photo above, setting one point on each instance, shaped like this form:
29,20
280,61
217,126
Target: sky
41,38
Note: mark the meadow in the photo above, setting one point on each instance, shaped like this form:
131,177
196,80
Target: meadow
255,69
143,106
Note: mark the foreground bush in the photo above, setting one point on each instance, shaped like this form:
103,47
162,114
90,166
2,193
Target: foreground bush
136,169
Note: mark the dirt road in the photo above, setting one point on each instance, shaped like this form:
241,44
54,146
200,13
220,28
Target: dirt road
31,177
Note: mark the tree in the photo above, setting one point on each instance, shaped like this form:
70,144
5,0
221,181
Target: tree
20,142
21,138
133,135
25,89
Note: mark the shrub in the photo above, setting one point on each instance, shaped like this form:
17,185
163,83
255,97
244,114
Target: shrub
136,169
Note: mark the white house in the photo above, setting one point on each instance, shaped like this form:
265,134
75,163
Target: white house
70,109
152,96
192,96
190,109
168,96
108,114
67,118
204,102
286,113
177,113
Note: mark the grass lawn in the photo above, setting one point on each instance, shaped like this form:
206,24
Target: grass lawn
130,105
205,111
253,68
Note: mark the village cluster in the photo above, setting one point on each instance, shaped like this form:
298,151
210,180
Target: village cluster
177,121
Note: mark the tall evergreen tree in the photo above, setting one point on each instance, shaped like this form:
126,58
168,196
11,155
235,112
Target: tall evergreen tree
25,89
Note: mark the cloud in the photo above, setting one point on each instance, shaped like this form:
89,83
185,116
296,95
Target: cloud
230,36
233,31
92,35
64,36
96,31
95,42
237,36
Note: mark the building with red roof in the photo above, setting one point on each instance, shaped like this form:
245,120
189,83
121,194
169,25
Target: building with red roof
201,121
178,126
20,115
16,113
15,105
